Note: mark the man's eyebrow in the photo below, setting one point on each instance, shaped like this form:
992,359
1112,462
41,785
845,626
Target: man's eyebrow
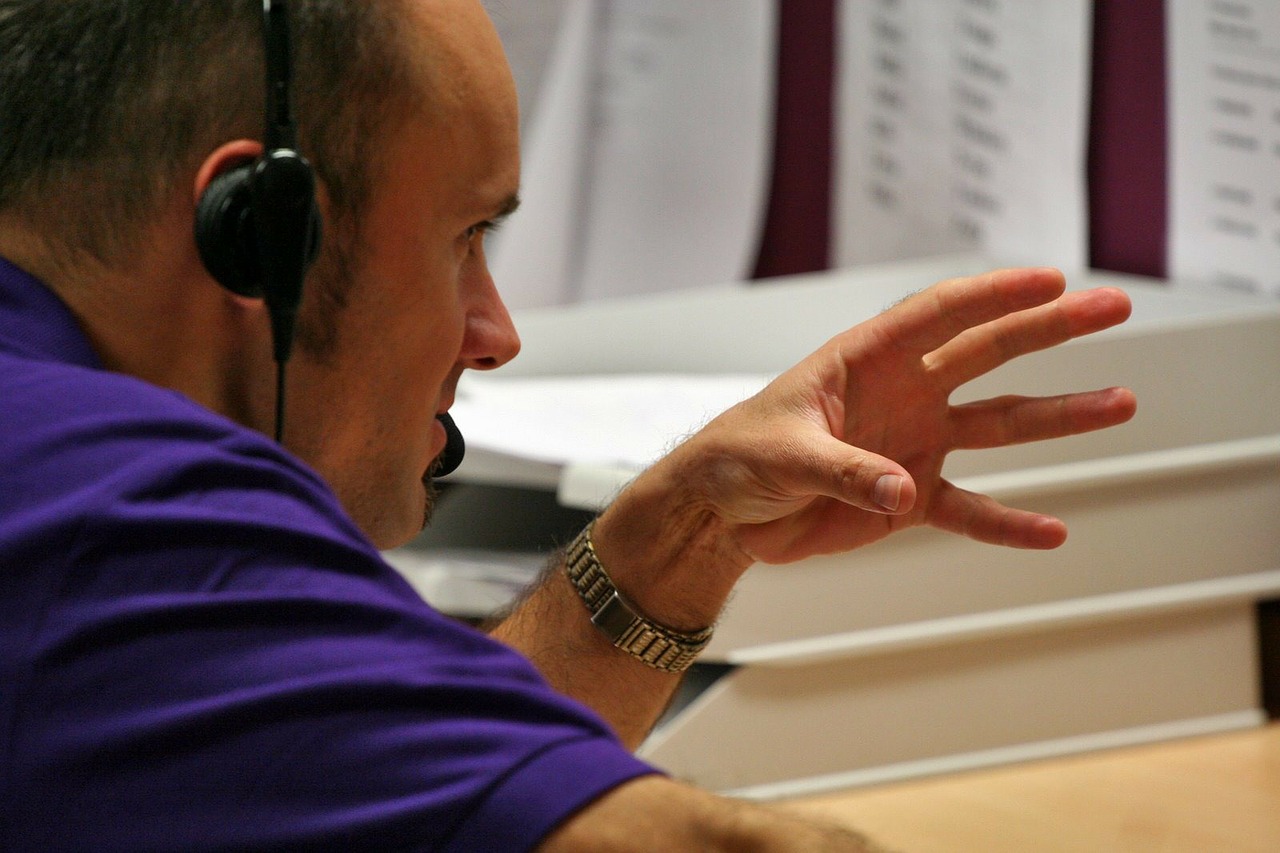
509,206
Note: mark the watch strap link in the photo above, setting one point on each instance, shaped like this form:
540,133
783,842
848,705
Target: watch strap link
658,646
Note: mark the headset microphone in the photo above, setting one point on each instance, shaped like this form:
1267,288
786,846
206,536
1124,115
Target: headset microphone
454,449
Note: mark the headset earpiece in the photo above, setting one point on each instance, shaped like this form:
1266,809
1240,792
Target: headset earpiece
225,232
233,230
258,230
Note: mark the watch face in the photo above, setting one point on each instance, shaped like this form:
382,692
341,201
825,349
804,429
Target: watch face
617,620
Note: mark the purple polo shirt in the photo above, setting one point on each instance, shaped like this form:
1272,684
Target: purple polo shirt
200,651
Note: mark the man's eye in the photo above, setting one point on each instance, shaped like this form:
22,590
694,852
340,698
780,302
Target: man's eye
481,228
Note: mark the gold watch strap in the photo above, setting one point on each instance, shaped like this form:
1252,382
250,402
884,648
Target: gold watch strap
656,645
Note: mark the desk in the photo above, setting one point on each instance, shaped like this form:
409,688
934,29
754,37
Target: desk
1213,793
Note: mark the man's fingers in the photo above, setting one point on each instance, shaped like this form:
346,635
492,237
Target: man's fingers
1009,420
984,519
983,348
924,322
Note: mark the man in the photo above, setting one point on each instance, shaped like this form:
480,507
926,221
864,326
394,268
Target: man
201,648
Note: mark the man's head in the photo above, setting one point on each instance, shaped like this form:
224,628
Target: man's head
106,105
115,115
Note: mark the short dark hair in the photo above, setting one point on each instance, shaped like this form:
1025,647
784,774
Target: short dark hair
105,103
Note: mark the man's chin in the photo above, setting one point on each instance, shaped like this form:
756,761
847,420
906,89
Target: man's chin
399,525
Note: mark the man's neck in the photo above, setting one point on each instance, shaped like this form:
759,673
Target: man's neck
159,317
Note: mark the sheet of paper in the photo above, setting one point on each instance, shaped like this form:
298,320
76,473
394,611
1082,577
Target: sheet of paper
646,157
1224,144
625,421
962,126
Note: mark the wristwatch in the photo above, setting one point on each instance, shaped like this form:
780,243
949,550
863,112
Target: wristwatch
658,646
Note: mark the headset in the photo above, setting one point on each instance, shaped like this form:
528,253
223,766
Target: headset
258,227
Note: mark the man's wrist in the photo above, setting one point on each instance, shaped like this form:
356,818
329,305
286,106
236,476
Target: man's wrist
667,550
656,645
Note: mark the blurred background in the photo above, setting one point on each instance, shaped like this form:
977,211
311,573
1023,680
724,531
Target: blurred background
680,143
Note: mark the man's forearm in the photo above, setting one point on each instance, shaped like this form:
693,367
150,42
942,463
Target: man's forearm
655,813
670,561
552,628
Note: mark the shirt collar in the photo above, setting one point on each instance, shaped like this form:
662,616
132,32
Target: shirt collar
35,323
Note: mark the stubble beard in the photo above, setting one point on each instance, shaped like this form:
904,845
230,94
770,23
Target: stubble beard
431,493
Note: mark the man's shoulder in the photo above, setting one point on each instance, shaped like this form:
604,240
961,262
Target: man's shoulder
43,395
83,441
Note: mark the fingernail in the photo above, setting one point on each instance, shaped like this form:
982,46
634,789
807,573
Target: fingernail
888,492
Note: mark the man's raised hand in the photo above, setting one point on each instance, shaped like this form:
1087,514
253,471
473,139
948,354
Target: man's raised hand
848,445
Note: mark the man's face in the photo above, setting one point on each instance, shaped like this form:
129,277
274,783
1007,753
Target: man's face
422,306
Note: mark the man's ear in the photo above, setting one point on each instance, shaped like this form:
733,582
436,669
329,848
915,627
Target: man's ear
223,159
